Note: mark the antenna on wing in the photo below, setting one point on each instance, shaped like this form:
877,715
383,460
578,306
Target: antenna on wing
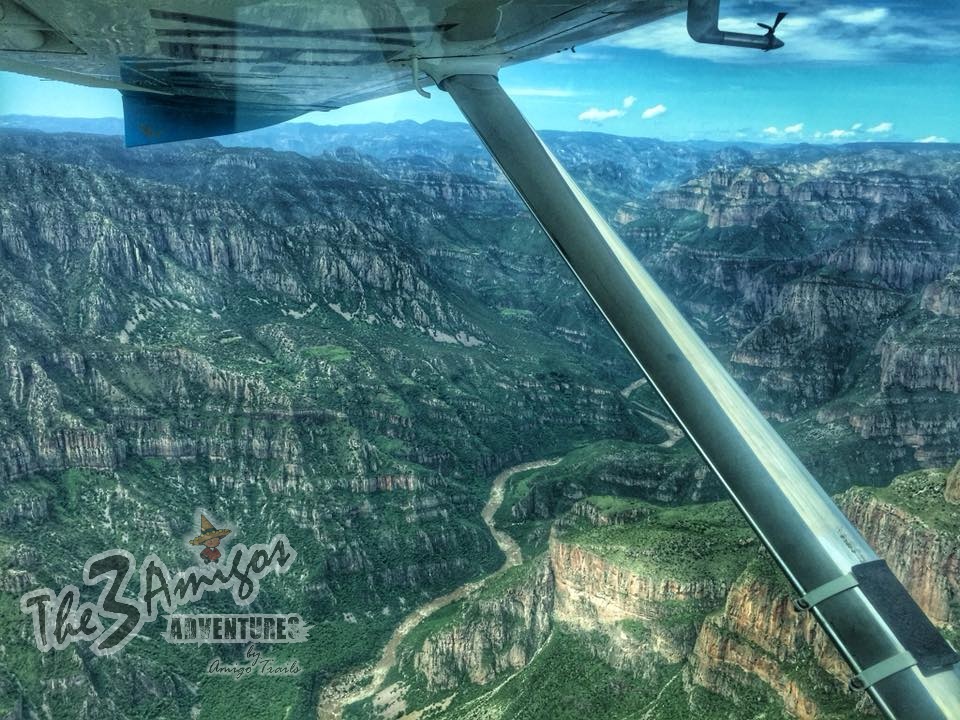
771,29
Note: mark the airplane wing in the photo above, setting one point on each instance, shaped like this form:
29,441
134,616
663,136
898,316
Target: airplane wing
194,68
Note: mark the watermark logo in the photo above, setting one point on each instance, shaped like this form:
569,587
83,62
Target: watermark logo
108,624
254,663
210,538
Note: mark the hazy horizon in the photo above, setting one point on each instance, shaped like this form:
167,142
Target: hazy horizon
88,125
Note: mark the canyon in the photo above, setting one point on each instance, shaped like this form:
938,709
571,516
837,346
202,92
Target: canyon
349,342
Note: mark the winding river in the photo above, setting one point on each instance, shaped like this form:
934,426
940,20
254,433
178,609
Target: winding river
360,684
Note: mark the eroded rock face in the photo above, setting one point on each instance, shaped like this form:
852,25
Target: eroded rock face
925,558
593,594
826,191
741,637
757,636
800,353
935,364
185,325
897,254
951,491
497,635
943,297
267,337
834,279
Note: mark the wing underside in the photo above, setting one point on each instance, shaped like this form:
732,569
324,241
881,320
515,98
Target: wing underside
245,64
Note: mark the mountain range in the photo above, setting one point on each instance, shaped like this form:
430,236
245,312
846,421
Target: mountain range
344,333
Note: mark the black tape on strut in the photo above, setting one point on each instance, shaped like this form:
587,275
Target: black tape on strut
904,617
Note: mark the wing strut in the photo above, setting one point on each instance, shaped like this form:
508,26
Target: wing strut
895,652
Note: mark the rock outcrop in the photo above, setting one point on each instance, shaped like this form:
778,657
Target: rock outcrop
496,633
736,640
593,594
759,636
951,491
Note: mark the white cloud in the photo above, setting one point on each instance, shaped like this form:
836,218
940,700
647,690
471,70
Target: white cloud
569,58
855,15
771,130
598,115
540,92
837,134
652,112
932,139
883,127
793,129
856,126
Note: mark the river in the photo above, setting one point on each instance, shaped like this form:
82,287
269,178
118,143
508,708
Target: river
362,683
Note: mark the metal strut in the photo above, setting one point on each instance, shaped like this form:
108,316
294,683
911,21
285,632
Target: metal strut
910,670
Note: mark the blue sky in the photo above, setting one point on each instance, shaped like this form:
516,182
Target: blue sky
849,72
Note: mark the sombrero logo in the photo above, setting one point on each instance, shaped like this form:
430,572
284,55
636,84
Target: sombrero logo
60,619
209,537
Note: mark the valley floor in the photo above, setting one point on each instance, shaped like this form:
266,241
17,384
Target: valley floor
358,685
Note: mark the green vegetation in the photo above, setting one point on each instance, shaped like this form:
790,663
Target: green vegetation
607,467
920,493
697,542
330,353
566,681
515,313
137,509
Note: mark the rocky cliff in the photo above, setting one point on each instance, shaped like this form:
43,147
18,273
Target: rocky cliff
713,609
497,633
345,347
835,278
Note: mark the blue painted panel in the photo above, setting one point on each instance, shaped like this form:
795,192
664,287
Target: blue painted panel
151,118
